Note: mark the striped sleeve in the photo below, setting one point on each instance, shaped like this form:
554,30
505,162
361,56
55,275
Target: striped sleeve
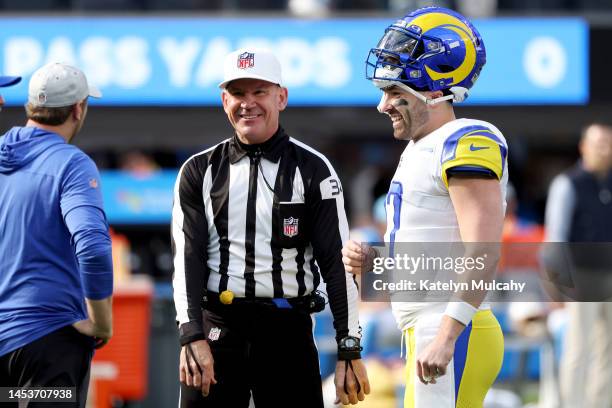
189,246
328,234
474,150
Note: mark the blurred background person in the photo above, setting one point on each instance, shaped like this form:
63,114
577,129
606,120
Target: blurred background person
138,163
579,210
381,339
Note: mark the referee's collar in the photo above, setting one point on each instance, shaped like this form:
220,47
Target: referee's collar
271,149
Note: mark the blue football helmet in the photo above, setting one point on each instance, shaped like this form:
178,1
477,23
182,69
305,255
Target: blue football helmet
430,49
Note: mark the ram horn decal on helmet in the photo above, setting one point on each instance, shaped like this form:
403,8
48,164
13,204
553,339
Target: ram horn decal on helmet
430,49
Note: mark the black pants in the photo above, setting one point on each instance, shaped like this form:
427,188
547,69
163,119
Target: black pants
261,350
59,359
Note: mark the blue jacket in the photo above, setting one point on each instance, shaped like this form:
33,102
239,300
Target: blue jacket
55,249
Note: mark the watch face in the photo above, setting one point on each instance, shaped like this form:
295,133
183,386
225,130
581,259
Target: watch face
350,343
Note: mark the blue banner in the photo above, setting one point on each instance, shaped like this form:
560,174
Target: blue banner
132,199
179,61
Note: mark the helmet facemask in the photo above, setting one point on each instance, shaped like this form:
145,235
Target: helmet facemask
447,57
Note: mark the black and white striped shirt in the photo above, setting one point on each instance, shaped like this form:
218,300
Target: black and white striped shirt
263,221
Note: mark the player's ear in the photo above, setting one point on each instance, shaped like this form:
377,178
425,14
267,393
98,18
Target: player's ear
283,96
435,94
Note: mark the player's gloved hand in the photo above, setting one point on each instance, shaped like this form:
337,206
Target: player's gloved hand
351,380
357,257
196,366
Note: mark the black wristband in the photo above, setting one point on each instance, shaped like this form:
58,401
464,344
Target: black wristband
190,339
349,355
190,332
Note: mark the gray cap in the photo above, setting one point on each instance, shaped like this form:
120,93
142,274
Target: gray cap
57,85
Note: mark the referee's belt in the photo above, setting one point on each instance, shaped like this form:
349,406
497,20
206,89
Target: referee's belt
310,303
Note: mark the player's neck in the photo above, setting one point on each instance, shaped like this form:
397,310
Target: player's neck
437,118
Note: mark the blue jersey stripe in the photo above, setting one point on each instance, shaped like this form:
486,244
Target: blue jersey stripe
394,197
460,356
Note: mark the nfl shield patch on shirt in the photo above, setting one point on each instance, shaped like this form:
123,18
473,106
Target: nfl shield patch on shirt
290,227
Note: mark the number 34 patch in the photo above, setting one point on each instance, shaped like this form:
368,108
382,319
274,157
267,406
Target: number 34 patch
330,188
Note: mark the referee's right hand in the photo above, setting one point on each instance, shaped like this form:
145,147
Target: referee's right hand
196,366
357,257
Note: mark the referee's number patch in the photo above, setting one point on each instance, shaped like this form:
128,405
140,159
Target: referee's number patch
330,188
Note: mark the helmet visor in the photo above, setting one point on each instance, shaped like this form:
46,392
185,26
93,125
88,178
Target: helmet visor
397,41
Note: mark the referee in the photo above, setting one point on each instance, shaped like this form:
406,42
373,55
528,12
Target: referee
257,221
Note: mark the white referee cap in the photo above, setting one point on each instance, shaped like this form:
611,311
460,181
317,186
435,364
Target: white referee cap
57,85
253,64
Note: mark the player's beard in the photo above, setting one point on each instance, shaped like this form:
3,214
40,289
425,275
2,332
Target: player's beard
413,118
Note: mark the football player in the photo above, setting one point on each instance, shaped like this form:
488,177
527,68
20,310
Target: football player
448,187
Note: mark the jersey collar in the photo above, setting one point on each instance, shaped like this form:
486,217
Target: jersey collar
271,149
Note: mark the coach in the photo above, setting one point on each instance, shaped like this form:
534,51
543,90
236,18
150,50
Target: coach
257,220
55,265
579,212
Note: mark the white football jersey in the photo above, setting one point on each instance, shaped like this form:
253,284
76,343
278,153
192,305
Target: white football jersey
419,208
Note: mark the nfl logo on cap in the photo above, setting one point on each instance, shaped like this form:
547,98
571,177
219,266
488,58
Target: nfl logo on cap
290,226
240,64
246,60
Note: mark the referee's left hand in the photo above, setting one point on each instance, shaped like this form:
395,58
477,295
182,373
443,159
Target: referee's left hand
352,384
196,367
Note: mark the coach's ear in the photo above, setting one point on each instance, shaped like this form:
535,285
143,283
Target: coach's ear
80,110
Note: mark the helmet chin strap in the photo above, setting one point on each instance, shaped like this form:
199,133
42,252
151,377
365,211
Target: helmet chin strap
426,100
383,84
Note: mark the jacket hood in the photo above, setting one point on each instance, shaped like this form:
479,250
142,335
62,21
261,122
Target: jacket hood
20,145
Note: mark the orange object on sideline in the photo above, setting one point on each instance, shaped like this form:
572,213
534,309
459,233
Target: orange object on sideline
521,246
121,257
120,369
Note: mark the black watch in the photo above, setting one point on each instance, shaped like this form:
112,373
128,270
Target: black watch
349,348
